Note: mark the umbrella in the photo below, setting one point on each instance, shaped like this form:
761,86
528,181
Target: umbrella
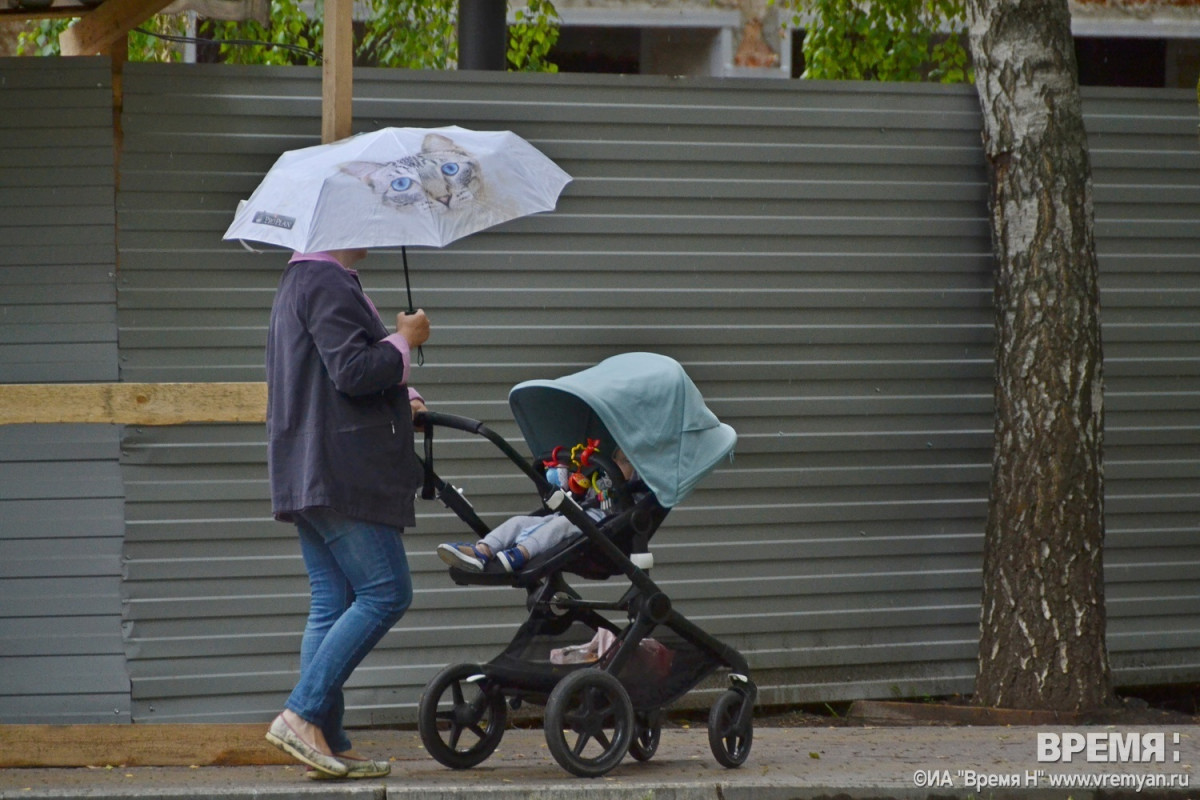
396,187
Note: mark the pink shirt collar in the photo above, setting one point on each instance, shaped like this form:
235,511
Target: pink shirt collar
319,256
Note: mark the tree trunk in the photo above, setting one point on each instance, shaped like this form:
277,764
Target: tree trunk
1043,620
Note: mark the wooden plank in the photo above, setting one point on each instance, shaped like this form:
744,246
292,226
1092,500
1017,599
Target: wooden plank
337,82
100,29
181,744
132,403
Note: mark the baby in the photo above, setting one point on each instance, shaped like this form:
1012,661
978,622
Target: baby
518,539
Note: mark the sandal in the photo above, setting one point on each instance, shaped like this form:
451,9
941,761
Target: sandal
463,556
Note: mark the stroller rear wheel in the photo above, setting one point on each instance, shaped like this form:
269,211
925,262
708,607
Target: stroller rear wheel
589,723
729,741
647,730
461,719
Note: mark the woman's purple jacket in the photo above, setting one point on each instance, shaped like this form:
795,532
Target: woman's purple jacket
339,424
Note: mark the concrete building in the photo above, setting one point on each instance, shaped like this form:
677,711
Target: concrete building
1120,42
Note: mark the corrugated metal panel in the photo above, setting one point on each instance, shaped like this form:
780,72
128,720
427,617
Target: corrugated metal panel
817,255
61,509
57,241
1147,175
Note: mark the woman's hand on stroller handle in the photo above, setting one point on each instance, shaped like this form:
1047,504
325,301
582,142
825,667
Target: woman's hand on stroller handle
417,405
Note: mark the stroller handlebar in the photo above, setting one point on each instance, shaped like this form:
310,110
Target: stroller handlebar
448,421
432,419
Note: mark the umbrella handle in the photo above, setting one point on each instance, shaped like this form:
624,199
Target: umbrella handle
411,309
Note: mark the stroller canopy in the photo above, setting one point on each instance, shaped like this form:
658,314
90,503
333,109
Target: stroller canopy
644,402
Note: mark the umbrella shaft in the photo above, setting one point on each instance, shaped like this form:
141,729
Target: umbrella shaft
407,285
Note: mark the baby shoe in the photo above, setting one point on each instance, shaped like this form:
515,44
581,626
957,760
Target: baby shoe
512,559
463,556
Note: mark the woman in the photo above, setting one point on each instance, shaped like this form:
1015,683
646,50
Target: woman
342,467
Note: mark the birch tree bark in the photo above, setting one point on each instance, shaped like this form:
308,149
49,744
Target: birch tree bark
1043,620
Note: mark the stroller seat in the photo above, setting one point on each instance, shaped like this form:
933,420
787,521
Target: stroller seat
630,529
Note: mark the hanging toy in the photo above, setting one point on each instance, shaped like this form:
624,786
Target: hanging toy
557,473
581,455
602,485
579,483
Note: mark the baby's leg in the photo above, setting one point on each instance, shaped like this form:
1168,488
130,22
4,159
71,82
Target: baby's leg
504,535
554,531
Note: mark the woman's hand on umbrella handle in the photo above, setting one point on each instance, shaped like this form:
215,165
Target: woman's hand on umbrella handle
413,326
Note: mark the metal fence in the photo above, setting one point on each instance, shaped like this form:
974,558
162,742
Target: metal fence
817,257
61,499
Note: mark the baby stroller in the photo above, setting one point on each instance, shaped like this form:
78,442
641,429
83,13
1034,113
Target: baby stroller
603,683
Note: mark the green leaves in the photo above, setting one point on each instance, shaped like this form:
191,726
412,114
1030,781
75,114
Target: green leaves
289,26
532,37
411,34
407,34
40,38
884,40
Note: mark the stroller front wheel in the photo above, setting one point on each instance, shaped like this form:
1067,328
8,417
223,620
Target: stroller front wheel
647,732
461,718
589,723
729,741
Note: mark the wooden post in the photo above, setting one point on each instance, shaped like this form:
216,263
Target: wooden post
105,26
119,56
337,78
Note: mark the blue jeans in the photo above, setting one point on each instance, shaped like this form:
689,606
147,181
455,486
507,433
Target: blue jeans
358,574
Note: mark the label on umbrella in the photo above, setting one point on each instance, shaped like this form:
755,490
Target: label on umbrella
275,220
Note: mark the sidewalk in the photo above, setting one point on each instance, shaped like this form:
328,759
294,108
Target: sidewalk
785,763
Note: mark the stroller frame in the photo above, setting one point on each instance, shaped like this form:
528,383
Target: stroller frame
594,712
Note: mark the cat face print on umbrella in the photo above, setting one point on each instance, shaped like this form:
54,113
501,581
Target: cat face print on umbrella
396,187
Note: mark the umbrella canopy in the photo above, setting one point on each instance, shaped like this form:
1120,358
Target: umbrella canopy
646,403
395,187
